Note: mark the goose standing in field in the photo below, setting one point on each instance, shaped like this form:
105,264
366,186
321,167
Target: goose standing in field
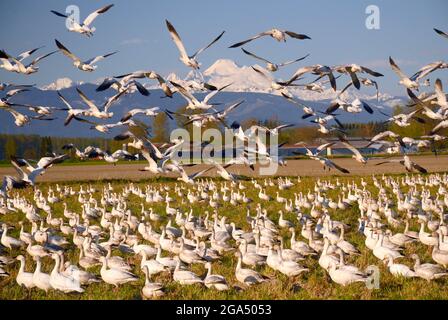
273,66
247,276
84,27
88,65
84,277
8,241
24,278
428,271
215,281
277,34
151,289
115,276
399,270
184,277
345,276
61,282
40,279
189,61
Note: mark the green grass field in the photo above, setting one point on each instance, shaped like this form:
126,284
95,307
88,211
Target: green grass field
315,284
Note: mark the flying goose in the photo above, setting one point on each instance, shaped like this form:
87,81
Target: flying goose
307,111
409,165
84,27
194,103
273,66
88,65
4,85
122,86
404,80
277,34
443,34
17,66
427,69
150,112
200,120
150,75
317,69
189,61
353,69
356,154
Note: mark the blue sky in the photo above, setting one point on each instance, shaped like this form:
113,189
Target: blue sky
137,30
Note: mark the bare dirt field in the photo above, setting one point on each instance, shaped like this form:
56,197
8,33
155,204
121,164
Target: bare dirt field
294,168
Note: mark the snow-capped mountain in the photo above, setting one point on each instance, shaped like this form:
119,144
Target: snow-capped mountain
260,100
59,84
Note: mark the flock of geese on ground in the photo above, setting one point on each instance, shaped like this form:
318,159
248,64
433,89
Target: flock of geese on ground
171,240
159,162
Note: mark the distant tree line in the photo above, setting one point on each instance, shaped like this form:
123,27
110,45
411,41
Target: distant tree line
35,146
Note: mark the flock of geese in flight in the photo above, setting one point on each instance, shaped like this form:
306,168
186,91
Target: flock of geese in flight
205,239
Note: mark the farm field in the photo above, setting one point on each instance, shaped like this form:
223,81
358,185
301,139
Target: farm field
314,284
302,167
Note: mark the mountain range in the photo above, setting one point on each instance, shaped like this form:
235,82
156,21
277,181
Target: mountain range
260,101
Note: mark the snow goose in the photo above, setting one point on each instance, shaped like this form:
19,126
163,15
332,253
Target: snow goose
84,27
115,276
62,282
251,258
428,271
277,34
151,289
425,237
346,246
167,262
10,242
399,270
215,281
86,261
300,246
24,278
345,276
152,266
247,276
184,277
189,256
326,258
273,66
438,255
36,251
404,80
84,277
88,65
283,223
12,64
116,262
40,279
25,236
189,61
381,252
